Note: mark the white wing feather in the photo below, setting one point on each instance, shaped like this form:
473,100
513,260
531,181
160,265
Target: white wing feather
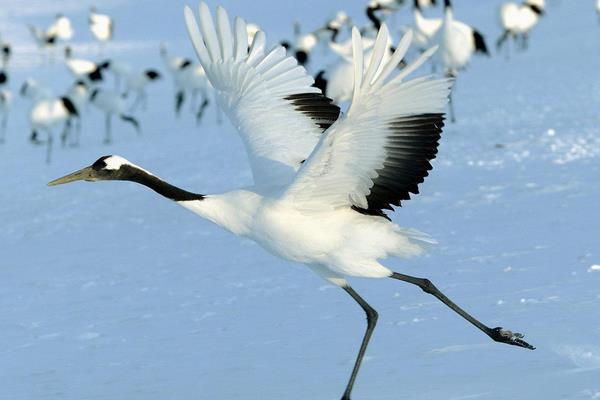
264,93
385,120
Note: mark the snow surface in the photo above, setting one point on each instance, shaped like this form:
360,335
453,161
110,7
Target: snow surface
109,292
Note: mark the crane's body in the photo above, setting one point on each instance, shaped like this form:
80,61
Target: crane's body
332,243
322,180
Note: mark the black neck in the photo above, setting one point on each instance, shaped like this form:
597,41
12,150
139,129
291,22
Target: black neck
373,18
535,9
447,4
158,185
334,32
417,5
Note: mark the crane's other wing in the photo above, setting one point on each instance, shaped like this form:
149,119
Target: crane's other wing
376,155
266,94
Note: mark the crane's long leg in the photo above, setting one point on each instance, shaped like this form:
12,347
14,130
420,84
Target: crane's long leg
108,137
497,334
3,126
49,147
371,322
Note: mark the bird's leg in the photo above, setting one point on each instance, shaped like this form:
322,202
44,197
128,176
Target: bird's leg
371,322
49,148
64,136
497,334
77,136
200,111
3,127
218,110
451,108
525,41
144,99
179,98
136,102
193,100
502,39
107,138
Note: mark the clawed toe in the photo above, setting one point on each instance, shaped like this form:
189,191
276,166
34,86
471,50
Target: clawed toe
513,338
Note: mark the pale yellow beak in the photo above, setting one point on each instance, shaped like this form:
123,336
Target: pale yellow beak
84,174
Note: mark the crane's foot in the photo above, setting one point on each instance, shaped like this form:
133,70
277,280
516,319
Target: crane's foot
513,338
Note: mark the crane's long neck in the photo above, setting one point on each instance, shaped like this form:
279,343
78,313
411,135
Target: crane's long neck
227,210
373,18
163,188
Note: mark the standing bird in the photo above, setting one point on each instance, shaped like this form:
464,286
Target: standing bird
5,53
189,79
101,26
5,100
44,41
47,113
322,181
111,103
61,28
137,82
518,20
457,42
87,70
425,28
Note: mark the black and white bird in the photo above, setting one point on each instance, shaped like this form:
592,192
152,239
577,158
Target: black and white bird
45,42
79,94
337,81
47,113
424,28
322,181
189,80
335,25
81,68
61,28
303,44
385,7
136,82
111,103
101,26
5,102
517,20
5,53
457,42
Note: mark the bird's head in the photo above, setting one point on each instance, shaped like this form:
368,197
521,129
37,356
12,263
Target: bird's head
107,168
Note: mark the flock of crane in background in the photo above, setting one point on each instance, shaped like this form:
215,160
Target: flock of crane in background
457,42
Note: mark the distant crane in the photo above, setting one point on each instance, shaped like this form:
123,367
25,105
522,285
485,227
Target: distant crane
101,26
46,113
322,180
457,42
517,20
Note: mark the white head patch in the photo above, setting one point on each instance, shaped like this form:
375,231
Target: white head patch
115,162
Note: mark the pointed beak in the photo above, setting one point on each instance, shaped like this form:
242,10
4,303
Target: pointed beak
81,175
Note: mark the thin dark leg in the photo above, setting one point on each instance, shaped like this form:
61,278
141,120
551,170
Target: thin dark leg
49,148
108,137
371,322
451,108
497,334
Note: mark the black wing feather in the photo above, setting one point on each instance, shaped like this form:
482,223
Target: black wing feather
411,145
317,107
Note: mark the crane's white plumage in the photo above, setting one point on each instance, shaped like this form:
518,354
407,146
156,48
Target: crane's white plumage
61,28
308,214
101,26
321,181
250,81
518,19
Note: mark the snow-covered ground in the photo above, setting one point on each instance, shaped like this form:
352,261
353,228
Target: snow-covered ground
110,292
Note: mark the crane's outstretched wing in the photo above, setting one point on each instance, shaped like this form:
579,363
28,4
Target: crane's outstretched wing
377,154
265,93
